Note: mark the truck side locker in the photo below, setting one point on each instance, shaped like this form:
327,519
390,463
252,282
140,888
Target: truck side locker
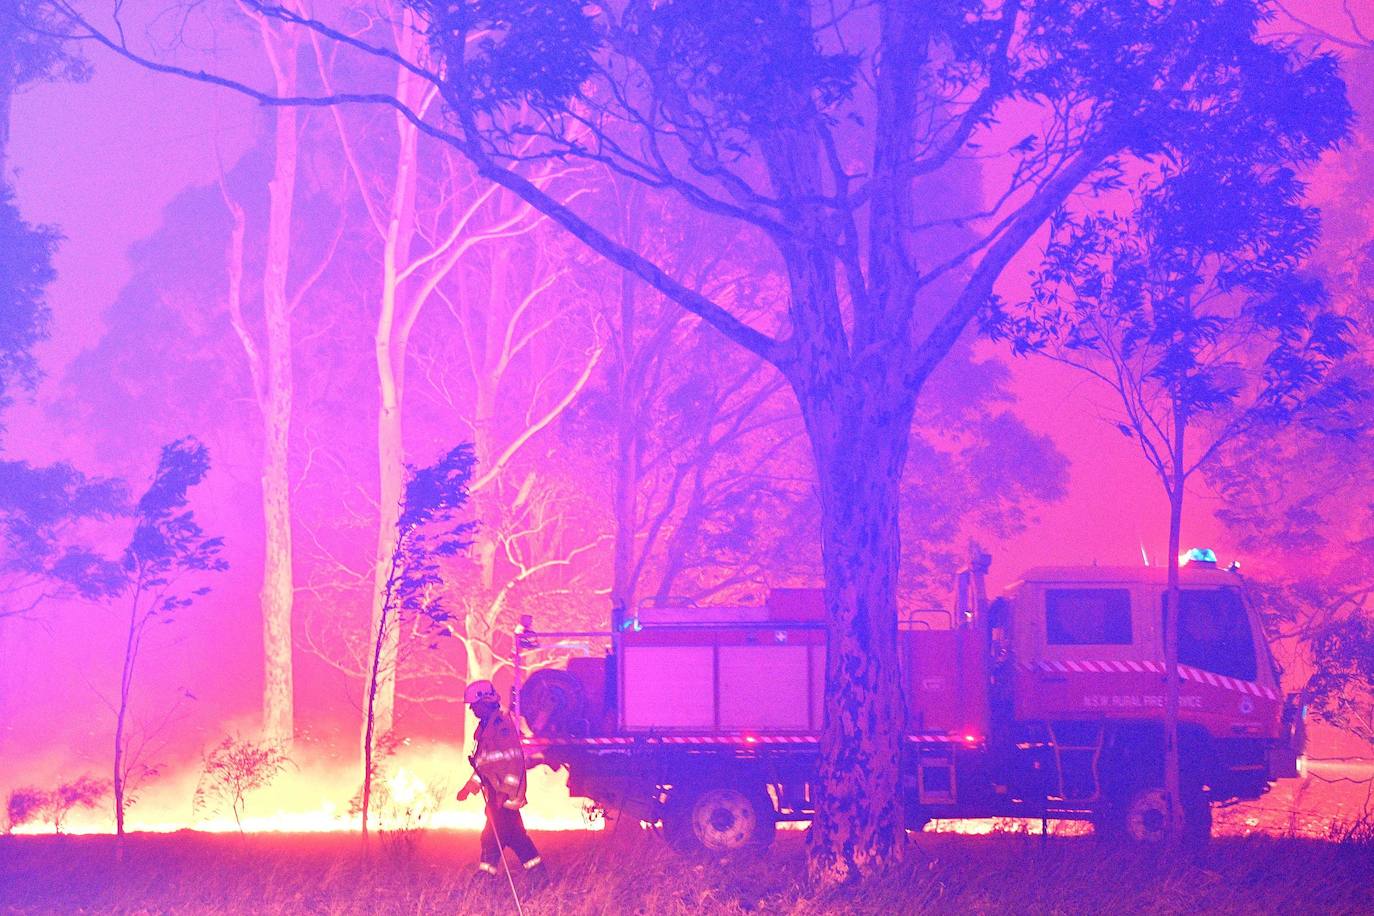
1077,754
936,775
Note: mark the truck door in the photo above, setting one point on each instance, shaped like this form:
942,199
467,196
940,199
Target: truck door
1227,683
1084,650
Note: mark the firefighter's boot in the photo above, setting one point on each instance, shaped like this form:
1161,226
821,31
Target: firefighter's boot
537,873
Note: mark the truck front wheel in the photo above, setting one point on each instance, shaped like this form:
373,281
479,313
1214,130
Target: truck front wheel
718,819
1142,816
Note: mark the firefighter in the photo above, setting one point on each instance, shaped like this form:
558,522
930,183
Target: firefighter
498,765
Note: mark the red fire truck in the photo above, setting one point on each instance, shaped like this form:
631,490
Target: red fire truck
1046,702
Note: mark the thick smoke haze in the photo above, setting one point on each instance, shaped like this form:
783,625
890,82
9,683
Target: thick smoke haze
524,347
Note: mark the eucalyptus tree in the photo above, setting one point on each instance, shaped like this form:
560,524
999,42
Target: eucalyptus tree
1192,307
269,355
817,126
31,51
163,566
428,528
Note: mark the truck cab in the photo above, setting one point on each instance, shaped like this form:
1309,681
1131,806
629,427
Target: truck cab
1076,702
1088,642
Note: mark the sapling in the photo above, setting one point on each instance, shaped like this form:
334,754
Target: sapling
427,530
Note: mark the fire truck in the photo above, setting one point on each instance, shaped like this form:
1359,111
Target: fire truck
1047,701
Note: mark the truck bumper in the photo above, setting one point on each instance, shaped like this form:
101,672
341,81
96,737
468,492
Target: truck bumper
1282,762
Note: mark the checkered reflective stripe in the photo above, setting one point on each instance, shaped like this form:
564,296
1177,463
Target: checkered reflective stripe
1186,672
1228,683
622,740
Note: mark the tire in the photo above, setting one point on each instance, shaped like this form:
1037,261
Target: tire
1142,816
553,704
718,819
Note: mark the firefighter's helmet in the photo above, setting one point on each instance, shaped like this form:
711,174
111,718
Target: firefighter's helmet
478,691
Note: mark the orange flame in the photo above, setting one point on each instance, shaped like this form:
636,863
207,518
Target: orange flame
419,786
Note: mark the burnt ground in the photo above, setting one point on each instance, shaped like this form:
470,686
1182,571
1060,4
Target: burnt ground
944,873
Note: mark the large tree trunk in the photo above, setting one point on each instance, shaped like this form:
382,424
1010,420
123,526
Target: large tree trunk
278,589
1172,780
481,609
859,439
275,400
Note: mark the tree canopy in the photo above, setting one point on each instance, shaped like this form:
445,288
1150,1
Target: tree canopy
25,272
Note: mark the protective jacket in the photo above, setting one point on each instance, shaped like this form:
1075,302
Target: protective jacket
499,761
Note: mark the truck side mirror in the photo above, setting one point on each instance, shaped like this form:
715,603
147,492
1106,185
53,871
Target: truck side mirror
999,636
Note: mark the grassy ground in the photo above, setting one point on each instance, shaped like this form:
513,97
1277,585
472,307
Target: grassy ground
944,873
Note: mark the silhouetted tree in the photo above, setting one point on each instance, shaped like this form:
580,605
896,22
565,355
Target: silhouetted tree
84,792
1296,500
1193,309
815,126
1341,688
25,271
167,549
43,554
427,530
31,51
21,806
39,506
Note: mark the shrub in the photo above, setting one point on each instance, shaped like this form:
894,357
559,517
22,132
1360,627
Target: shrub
86,792
23,806
234,768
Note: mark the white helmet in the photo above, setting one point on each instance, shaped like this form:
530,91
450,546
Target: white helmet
478,691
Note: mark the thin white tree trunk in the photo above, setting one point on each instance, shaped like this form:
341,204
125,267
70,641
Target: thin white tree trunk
1173,782
391,468
627,441
389,349
126,679
275,400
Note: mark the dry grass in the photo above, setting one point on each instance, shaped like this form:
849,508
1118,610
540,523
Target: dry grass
196,873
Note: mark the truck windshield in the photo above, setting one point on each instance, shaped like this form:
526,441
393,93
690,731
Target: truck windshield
1214,633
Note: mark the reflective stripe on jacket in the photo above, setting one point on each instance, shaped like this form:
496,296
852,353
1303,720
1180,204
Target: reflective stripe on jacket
500,761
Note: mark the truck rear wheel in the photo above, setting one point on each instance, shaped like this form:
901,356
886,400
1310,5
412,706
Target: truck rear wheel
718,819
